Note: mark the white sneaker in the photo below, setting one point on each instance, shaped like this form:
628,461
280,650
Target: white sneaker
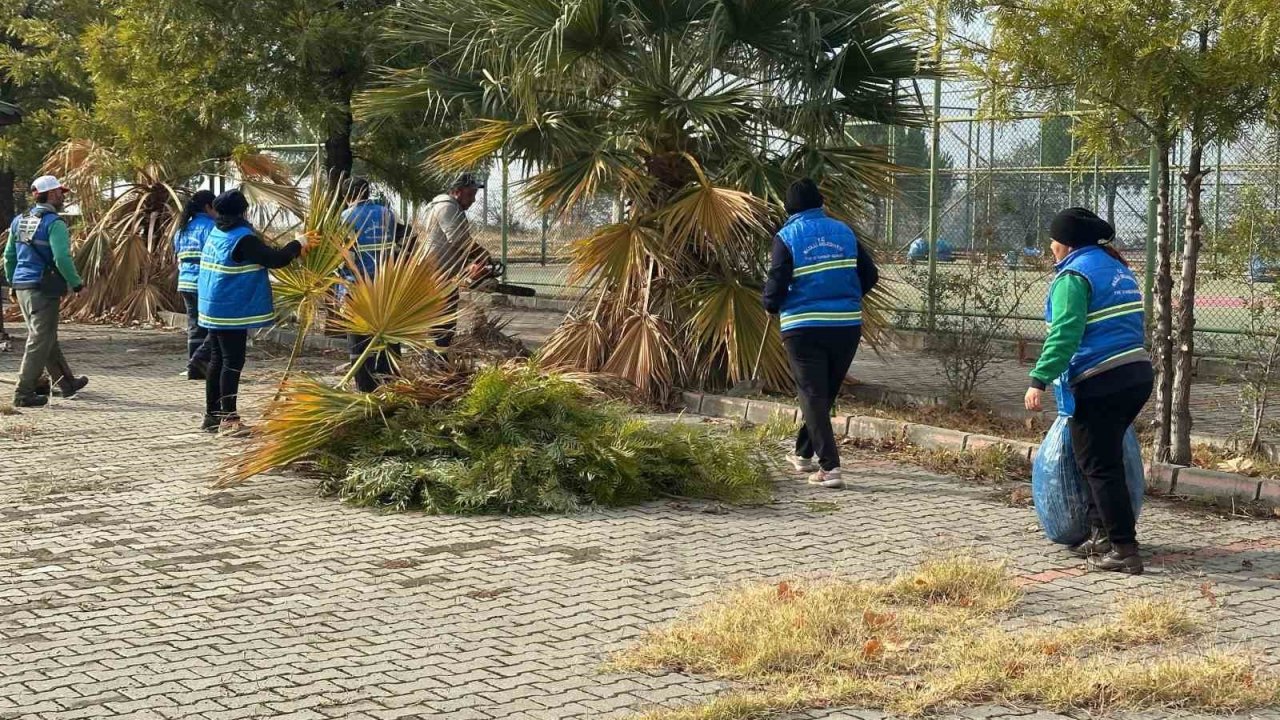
802,464
827,479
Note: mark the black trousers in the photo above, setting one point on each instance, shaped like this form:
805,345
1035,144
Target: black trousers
1097,440
226,362
445,334
820,360
376,364
197,350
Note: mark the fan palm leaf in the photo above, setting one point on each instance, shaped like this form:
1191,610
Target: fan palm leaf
404,303
299,290
729,323
644,354
306,415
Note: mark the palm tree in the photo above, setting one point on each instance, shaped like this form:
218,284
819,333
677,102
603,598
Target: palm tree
124,247
697,113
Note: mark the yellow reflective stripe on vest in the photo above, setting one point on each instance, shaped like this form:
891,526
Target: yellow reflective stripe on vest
230,269
802,317
828,265
1114,311
375,247
224,322
189,255
1121,356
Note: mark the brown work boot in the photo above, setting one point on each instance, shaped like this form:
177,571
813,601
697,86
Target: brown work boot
1096,544
68,387
1124,557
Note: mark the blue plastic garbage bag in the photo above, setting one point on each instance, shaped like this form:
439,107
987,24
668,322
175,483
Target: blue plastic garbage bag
1057,487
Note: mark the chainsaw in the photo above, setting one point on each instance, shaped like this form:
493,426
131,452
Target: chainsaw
487,274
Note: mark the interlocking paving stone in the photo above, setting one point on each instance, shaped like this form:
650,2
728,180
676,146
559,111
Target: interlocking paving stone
146,594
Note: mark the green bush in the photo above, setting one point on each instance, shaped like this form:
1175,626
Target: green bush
519,441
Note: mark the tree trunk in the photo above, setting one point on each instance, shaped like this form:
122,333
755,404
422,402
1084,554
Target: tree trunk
338,159
1161,331
1185,320
7,209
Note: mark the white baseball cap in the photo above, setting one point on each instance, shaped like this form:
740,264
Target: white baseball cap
46,183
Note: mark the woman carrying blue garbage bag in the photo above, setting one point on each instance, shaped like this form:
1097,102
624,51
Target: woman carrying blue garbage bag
1095,344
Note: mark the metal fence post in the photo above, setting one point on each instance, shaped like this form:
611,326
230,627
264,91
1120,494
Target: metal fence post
934,160
1153,189
544,238
893,183
506,213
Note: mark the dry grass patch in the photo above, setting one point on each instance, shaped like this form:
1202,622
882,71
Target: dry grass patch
932,639
19,431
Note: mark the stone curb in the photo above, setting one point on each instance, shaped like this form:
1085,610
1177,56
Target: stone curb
1162,479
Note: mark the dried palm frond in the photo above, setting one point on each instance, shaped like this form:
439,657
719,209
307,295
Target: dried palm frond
613,254
579,342
428,386
301,289
714,218
305,417
644,354
262,167
728,322
404,303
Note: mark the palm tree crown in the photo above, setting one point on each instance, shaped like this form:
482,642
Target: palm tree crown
698,113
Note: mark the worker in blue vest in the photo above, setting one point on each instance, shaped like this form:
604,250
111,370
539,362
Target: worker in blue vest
188,241
40,269
376,232
818,274
1095,345
234,294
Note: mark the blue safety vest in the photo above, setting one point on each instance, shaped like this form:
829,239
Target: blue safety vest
188,244
233,295
31,231
825,290
1113,334
373,223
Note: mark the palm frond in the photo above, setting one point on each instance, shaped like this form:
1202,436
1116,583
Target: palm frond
579,342
262,167
300,288
713,218
404,303
728,322
614,254
259,192
306,416
644,355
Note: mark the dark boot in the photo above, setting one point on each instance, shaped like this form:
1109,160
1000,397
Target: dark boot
31,401
1096,544
1124,557
197,369
68,387
43,386
210,423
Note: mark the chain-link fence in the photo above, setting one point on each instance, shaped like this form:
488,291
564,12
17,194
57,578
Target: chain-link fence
984,204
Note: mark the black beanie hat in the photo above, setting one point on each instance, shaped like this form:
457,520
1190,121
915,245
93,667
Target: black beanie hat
1077,227
803,195
231,204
